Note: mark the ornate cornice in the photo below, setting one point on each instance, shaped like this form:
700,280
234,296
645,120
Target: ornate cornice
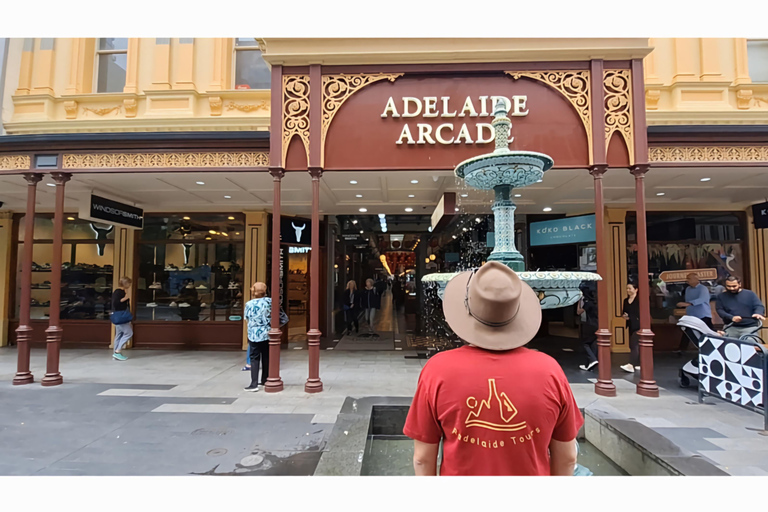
708,154
167,160
339,88
15,162
617,86
295,111
574,86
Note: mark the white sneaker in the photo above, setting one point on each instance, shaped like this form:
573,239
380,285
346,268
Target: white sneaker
203,305
628,368
202,287
172,304
155,286
183,305
152,305
637,368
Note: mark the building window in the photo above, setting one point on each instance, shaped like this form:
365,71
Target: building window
757,53
112,62
251,71
679,243
190,267
86,271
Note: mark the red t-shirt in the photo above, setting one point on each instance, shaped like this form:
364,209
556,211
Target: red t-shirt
496,412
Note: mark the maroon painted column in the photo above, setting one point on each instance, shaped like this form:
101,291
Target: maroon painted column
604,385
647,385
314,384
54,330
24,331
274,382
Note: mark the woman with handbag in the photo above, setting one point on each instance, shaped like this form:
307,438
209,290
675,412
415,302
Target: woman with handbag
258,312
121,317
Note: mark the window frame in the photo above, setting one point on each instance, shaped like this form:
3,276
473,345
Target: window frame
765,72
236,49
98,53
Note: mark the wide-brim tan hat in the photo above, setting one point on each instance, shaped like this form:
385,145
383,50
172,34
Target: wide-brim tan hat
492,308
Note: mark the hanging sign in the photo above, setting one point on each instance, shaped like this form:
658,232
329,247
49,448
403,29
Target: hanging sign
680,276
101,209
570,230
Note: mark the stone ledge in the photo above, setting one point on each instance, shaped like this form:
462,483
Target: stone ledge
639,450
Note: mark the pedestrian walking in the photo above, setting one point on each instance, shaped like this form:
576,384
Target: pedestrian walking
696,304
631,313
587,309
351,307
121,317
740,309
257,314
497,407
370,302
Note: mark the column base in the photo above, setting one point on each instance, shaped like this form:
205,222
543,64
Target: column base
604,385
22,378
273,385
314,384
52,379
648,388
605,388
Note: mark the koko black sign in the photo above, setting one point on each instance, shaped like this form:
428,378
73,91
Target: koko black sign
113,212
295,231
760,214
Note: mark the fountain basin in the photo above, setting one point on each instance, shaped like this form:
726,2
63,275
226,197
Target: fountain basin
556,289
513,168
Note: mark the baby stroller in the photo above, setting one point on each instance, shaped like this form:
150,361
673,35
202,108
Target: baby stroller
695,329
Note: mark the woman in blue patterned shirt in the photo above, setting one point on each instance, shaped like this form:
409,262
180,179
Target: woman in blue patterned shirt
258,312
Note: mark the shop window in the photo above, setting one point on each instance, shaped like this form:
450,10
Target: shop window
710,243
251,71
190,267
757,54
112,62
86,275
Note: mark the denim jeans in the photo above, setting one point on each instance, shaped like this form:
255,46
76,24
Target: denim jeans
370,316
123,333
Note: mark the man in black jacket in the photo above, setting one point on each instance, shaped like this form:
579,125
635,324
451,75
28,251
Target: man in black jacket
740,308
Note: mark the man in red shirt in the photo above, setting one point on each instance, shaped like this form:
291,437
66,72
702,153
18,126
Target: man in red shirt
498,407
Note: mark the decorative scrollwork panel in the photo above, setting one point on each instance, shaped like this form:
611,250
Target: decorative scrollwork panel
14,162
338,88
295,111
574,86
617,85
164,160
690,154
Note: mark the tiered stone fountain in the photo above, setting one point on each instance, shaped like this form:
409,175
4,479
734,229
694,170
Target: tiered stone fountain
502,171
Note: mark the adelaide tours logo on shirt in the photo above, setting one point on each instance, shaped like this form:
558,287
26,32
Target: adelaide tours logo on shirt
495,413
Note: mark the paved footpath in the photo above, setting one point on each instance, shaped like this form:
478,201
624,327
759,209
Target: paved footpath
180,413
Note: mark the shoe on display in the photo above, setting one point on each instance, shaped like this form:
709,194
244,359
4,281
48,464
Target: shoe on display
201,287
628,368
152,305
172,304
637,368
183,305
203,305
46,266
186,268
155,286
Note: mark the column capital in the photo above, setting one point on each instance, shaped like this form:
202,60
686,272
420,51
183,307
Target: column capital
33,178
638,171
61,177
277,173
597,171
316,172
